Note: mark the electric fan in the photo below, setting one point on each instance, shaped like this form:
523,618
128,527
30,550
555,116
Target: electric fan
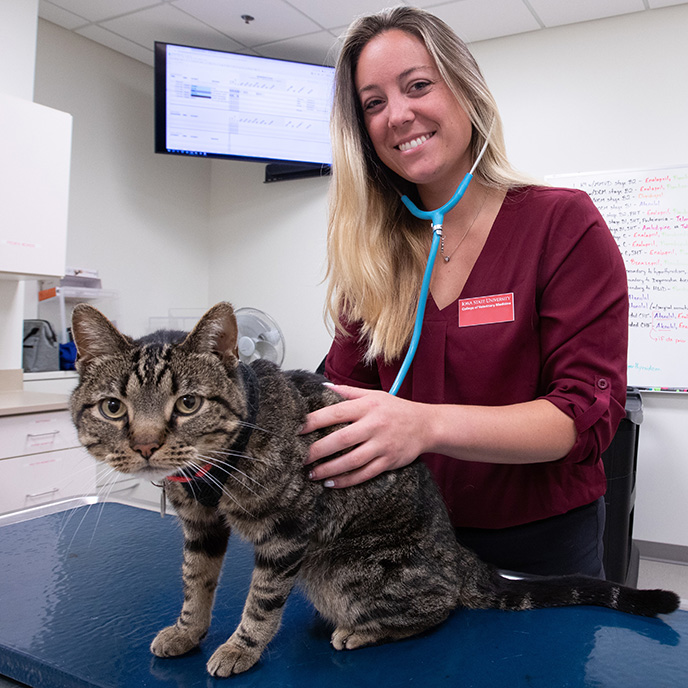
259,336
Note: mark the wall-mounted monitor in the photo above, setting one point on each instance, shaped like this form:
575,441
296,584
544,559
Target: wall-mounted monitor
225,105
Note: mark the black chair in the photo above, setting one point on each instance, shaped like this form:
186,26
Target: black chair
621,556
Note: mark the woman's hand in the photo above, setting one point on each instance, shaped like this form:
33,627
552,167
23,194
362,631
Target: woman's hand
383,433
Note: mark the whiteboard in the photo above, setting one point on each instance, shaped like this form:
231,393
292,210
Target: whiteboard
647,212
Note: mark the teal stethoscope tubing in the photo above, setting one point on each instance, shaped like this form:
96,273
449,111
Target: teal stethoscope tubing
436,217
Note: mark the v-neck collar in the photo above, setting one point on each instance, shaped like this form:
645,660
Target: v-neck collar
496,243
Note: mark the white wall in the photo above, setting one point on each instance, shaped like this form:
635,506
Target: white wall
18,20
138,218
157,228
268,252
601,95
608,95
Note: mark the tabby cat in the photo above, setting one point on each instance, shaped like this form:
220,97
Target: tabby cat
379,561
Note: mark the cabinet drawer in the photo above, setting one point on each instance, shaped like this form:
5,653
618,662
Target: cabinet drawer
34,433
28,481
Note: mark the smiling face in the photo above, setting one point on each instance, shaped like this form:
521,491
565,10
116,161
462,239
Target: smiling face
415,123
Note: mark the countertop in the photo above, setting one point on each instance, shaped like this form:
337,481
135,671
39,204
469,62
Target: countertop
13,402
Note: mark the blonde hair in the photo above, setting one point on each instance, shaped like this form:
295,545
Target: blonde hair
376,249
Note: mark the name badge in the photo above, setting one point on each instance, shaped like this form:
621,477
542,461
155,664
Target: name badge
486,310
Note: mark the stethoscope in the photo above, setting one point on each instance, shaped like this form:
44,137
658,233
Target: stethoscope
436,218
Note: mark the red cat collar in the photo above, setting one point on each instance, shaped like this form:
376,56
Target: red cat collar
184,479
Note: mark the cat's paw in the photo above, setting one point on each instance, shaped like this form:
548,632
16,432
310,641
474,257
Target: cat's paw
347,639
173,641
231,659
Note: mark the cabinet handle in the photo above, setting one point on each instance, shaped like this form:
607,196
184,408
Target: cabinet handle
43,494
30,435
41,440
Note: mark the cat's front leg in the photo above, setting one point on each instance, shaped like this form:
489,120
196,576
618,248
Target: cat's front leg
205,544
276,567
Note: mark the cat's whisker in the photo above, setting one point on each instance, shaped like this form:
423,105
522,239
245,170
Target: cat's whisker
233,477
209,460
83,466
109,487
223,487
253,426
209,478
225,490
187,473
78,526
240,455
69,514
219,483
241,506
228,466
216,462
248,477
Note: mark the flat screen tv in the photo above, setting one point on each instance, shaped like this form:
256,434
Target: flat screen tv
219,104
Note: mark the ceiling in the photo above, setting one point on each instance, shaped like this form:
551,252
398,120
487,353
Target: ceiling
303,30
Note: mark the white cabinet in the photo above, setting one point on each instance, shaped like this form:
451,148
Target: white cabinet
41,461
34,188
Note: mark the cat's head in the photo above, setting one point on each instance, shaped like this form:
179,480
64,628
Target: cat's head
161,404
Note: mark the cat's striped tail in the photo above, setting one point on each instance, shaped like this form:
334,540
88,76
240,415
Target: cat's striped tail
565,591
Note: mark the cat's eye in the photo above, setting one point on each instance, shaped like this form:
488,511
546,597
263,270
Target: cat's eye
113,409
188,404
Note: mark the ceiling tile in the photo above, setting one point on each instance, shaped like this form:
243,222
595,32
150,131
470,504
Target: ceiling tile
558,13
318,48
274,20
96,10
167,23
478,20
117,43
58,15
292,29
336,14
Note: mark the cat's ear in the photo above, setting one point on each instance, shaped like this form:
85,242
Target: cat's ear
216,333
94,335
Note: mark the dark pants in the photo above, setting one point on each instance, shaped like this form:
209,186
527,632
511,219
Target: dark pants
560,545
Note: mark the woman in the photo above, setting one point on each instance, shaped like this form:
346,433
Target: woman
519,381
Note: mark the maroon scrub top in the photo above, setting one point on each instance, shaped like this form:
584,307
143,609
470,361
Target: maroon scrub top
543,314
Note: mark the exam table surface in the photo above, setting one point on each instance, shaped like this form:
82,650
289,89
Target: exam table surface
83,592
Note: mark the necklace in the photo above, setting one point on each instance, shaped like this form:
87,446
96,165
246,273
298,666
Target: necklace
465,234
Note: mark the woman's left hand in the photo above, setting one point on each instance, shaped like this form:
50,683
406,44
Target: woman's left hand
382,433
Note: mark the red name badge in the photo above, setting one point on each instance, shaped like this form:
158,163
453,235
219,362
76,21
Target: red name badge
486,310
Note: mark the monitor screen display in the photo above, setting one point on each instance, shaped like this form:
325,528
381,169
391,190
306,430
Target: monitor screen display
226,105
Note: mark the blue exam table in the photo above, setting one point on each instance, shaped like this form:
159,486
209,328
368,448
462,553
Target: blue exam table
84,590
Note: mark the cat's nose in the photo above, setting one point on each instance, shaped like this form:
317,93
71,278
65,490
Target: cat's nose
146,450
